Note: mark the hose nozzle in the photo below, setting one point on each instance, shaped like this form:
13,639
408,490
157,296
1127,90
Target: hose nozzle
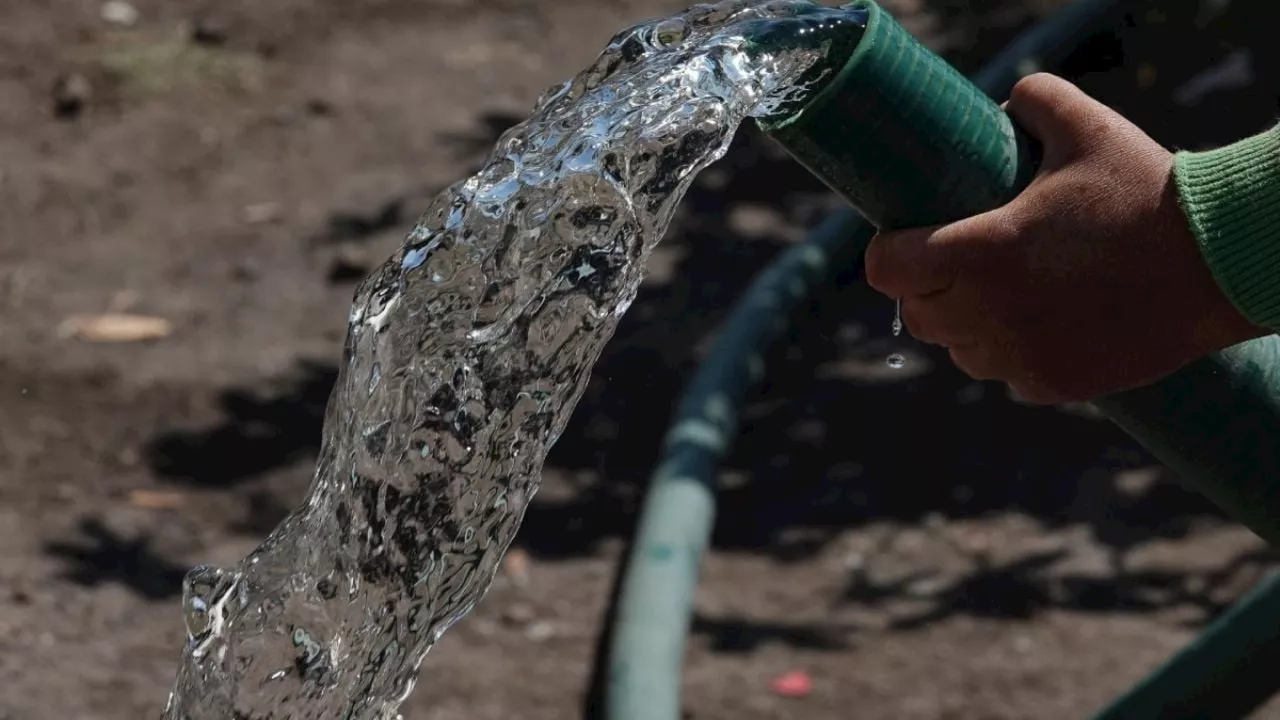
894,128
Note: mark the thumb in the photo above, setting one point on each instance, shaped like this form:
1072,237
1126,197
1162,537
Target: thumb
1055,112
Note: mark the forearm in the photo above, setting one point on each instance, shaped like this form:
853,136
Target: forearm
1231,196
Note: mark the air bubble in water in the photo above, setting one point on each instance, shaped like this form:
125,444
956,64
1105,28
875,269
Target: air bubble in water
670,32
205,590
896,361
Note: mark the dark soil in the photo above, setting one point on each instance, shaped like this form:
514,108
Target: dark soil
921,545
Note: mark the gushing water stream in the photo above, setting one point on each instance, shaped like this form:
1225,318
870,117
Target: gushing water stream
465,354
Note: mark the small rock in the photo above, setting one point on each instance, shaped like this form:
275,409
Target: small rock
209,31
793,684
518,614
71,95
263,212
925,588
540,631
118,12
319,106
129,457
516,566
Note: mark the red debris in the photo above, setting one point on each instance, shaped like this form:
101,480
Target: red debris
794,684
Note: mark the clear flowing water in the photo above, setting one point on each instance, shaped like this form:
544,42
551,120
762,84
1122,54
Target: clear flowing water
465,354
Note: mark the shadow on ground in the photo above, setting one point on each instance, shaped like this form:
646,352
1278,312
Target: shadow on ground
101,556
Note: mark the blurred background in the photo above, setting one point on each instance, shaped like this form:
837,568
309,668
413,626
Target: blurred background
189,191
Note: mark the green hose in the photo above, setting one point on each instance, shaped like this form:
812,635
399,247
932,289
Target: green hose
903,136
1216,422
643,652
1225,673
908,141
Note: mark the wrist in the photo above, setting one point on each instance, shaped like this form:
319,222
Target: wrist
1231,199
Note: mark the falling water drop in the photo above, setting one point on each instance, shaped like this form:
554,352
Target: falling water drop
896,361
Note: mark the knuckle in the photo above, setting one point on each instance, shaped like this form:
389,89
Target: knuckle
1003,227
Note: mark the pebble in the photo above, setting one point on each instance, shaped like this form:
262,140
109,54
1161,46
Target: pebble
516,566
540,631
209,31
118,12
263,212
71,94
518,614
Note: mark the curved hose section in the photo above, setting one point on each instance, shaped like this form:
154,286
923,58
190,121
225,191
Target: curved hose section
655,600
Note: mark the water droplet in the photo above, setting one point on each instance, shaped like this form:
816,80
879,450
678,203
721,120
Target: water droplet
896,361
897,317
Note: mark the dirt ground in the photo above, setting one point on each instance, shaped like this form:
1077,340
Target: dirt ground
920,545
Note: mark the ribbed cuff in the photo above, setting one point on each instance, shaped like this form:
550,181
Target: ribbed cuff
1231,196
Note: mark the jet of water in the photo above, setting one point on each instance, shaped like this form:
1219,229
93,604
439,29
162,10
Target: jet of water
465,354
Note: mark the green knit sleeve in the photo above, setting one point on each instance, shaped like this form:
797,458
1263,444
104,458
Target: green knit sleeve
1231,196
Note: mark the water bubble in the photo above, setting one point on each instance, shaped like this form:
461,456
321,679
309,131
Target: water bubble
670,32
205,590
896,361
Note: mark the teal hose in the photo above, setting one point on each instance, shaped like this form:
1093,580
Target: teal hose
932,152
656,597
652,613
908,141
1227,672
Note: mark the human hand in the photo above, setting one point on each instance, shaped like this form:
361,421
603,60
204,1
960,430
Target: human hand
1088,283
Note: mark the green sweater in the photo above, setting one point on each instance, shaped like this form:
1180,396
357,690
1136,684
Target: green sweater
1232,197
